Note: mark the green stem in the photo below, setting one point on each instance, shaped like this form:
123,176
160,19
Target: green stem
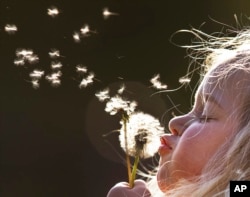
134,170
125,119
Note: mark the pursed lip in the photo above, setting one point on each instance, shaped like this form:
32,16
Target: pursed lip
165,146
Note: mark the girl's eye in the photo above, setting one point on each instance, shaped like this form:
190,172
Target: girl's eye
204,119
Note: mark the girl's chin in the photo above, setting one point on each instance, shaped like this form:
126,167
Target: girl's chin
164,179
164,160
165,185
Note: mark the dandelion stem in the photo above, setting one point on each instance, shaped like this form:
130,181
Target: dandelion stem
125,120
134,170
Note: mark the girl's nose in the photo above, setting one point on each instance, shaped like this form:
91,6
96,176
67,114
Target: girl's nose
178,124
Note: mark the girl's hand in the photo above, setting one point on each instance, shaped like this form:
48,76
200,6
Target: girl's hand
122,189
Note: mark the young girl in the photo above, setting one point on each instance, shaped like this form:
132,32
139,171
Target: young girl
210,145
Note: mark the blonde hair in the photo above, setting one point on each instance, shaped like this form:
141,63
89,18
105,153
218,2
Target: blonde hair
232,160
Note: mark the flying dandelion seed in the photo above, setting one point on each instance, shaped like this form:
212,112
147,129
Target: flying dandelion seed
85,29
53,11
106,13
103,95
184,80
76,37
35,83
32,59
121,89
56,82
10,29
54,78
81,69
117,103
56,65
24,52
19,61
36,74
157,83
84,32
143,132
54,53
87,81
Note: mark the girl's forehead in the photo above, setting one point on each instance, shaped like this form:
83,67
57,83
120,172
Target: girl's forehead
229,88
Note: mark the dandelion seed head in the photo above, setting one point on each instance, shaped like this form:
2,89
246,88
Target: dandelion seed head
103,95
53,11
143,132
140,139
157,83
10,28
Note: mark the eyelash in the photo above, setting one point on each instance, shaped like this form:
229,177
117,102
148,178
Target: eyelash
201,118
204,119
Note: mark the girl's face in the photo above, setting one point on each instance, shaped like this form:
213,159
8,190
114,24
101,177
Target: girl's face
196,136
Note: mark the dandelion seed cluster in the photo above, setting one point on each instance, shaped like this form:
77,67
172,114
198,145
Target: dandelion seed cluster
35,76
116,103
24,57
84,32
143,132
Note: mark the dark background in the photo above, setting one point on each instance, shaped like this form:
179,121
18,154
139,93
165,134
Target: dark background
50,138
